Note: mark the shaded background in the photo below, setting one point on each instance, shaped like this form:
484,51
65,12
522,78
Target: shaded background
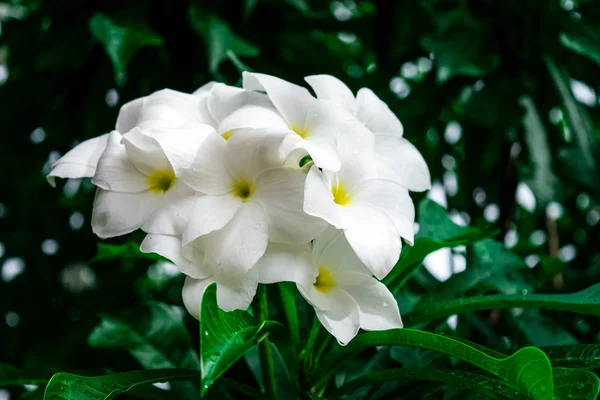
500,97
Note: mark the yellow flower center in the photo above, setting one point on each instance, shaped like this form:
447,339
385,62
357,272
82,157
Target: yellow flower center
243,189
227,135
340,195
302,132
325,281
161,180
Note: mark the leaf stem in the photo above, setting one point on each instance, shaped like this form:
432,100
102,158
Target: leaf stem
265,349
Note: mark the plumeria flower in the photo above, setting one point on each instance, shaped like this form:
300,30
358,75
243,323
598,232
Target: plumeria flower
80,162
138,180
245,201
396,157
335,282
304,124
232,294
373,212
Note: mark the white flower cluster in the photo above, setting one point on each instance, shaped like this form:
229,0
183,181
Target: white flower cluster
263,184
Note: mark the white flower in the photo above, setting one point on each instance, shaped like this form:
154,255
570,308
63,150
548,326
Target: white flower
246,201
373,212
80,161
138,180
305,125
335,282
397,159
232,294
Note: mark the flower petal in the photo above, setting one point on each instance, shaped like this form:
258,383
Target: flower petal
244,154
400,161
211,213
129,115
169,109
252,116
174,211
375,114
80,161
205,89
116,213
281,192
237,298
180,145
241,243
169,246
115,172
332,251
391,199
342,319
378,308
318,199
373,238
292,101
330,88
145,152
286,263
193,290
208,173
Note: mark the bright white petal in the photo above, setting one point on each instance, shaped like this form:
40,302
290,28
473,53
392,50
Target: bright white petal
204,90
322,152
318,199
129,115
174,211
243,154
292,101
374,239
208,173
328,87
375,114
241,243
332,251
342,320
170,109
391,199
400,161
224,100
281,192
211,213
238,298
145,152
377,306
117,213
170,247
180,145
115,172
193,290
252,116
286,263
80,161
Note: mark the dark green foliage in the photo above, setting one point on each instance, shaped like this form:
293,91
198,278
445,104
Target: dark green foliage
493,93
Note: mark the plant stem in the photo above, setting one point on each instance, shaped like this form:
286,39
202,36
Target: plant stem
265,349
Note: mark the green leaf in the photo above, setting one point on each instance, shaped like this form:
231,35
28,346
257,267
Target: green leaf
586,301
225,337
436,230
64,386
11,376
575,384
129,250
583,39
580,355
491,258
153,333
542,331
544,183
411,357
491,387
219,38
461,52
122,43
528,369
580,159
288,301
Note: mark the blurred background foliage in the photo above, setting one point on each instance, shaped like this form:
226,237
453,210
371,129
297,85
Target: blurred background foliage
500,97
